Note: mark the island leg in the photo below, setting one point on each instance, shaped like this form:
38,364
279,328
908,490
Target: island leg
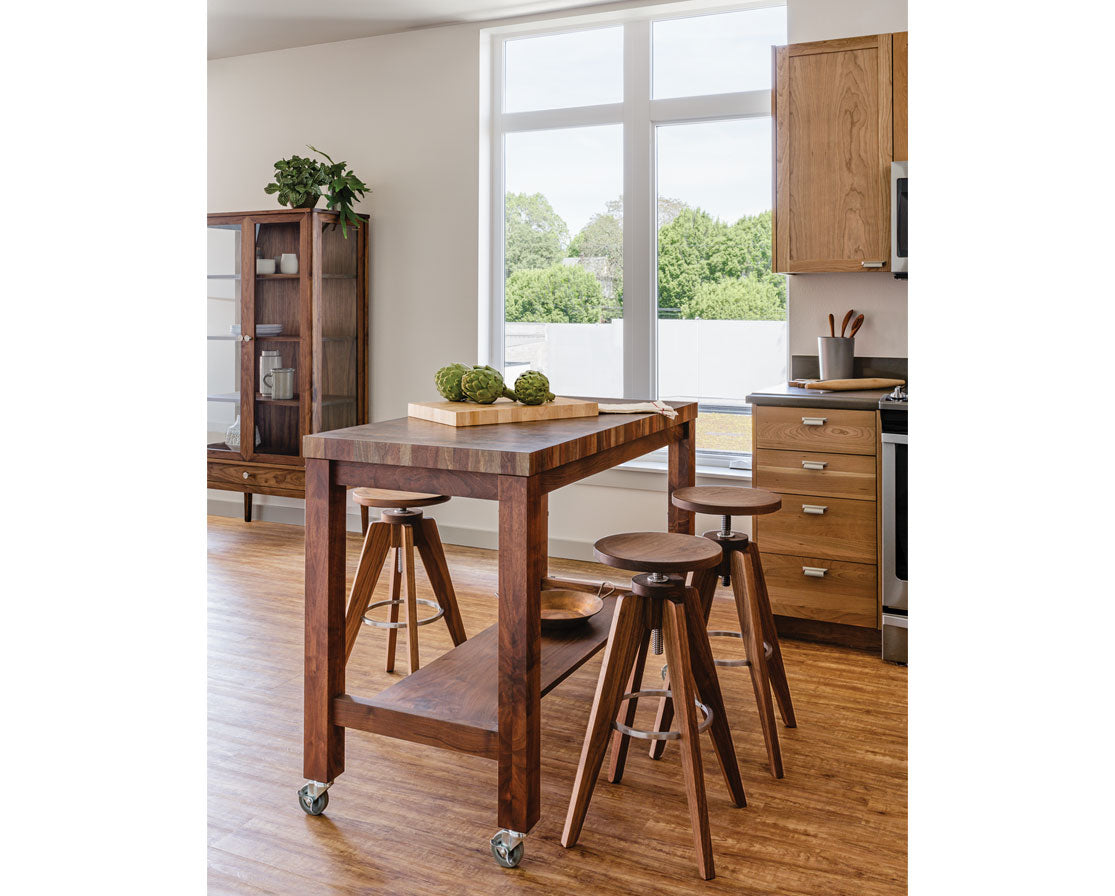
683,473
522,563
324,747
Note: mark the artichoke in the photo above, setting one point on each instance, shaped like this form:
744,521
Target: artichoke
484,385
532,387
448,381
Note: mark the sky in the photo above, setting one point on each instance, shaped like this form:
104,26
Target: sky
723,167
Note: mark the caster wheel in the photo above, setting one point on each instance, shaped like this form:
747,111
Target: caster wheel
508,858
312,805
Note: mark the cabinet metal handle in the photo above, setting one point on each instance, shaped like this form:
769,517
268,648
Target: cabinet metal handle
816,572
247,338
814,464
245,475
815,509
872,264
814,421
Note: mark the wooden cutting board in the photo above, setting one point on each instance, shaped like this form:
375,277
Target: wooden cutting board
872,382
504,410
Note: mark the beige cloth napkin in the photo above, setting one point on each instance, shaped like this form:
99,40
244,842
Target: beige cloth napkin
642,407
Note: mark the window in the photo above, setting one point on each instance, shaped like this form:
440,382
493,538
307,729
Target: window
631,210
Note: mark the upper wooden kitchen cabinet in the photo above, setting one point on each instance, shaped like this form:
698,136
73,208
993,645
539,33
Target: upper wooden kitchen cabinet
836,128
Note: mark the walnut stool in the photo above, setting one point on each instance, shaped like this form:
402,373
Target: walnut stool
659,604
403,528
741,567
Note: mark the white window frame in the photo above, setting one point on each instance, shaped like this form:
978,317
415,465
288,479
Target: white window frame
640,115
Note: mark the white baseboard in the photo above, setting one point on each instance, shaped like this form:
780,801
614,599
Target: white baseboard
291,511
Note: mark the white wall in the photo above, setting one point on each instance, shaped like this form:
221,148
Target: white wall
880,297
404,110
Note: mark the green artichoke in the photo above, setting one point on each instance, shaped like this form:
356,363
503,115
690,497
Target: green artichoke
448,381
484,385
532,387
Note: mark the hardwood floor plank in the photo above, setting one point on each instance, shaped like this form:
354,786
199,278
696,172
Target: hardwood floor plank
406,818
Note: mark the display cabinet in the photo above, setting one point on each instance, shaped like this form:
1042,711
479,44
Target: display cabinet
315,318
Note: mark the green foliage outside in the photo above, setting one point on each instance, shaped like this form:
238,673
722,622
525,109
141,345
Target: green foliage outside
535,235
557,294
707,268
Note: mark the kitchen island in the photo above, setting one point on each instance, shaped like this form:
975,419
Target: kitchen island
483,697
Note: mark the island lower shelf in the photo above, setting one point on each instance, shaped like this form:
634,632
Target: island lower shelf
453,703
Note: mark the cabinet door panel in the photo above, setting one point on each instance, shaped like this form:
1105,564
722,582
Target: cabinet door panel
833,148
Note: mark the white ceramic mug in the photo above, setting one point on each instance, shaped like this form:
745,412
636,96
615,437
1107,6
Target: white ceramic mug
265,265
288,263
281,382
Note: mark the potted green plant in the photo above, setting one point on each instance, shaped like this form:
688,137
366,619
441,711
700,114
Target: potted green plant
302,182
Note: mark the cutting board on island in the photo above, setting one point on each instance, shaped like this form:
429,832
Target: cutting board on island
503,410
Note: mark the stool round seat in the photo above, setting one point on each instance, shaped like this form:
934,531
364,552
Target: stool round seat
726,500
382,497
662,552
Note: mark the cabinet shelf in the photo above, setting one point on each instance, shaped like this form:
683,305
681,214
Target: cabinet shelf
327,401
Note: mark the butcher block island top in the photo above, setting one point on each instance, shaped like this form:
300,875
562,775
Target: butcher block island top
518,449
502,410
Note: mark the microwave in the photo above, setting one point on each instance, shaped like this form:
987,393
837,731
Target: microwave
899,206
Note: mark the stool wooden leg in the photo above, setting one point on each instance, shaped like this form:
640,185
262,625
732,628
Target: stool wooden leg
776,667
708,688
377,542
704,580
745,588
621,741
663,719
412,597
396,586
624,638
428,542
363,519
680,659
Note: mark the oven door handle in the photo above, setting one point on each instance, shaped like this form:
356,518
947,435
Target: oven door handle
895,438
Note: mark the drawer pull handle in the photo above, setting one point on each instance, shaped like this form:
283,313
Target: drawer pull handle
815,509
245,474
816,572
814,421
872,264
814,464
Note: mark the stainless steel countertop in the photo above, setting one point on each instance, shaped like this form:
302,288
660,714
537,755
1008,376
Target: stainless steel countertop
791,396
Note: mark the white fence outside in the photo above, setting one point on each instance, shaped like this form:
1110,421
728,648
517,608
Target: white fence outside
718,361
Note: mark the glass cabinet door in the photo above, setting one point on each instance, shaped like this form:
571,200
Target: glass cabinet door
337,321
278,304
223,343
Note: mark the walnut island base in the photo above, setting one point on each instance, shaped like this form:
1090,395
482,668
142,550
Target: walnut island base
455,702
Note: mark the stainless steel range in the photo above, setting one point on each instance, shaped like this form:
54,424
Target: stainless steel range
893,411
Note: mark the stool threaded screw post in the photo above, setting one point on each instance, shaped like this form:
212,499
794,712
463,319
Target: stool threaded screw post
656,641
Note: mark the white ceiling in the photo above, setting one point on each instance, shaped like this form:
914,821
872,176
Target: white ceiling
238,27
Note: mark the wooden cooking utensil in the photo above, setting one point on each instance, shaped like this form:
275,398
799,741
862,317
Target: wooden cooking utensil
847,317
856,324
832,325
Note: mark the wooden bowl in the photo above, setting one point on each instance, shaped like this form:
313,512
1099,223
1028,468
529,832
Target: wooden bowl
561,608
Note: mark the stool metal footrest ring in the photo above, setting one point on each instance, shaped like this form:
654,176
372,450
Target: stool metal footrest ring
768,651
434,605
659,735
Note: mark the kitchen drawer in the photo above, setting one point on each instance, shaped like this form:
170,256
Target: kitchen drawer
819,429
257,477
836,528
809,473
845,593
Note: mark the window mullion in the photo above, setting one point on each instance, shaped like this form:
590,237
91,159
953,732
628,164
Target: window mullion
639,367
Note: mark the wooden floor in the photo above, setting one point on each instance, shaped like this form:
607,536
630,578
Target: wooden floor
408,819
